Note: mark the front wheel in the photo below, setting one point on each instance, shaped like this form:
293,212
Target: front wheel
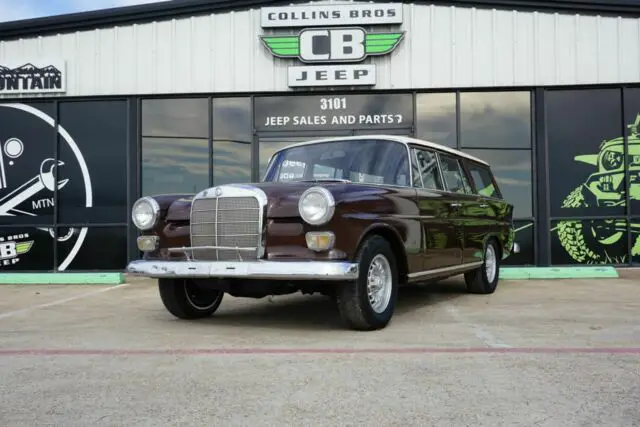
186,300
369,302
485,279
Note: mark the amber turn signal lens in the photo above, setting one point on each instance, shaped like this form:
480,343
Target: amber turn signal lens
320,240
147,243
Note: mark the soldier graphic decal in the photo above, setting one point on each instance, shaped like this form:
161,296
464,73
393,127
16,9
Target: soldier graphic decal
598,241
29,176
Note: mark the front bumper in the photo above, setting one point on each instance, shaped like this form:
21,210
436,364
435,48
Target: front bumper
278,270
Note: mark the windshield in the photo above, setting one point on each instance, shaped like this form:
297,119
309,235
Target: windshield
365,161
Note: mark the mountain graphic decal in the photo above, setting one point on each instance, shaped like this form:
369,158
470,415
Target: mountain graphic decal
29,78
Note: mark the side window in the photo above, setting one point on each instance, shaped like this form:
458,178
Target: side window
428,174
483,180
454,177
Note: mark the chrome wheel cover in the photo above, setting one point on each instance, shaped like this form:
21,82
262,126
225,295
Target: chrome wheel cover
198,298
490,263
379,283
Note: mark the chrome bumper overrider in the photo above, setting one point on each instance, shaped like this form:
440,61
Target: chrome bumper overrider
285,270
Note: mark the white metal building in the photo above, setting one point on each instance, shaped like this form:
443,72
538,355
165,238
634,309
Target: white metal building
175,96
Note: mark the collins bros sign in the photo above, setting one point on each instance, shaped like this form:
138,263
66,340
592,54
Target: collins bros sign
334,44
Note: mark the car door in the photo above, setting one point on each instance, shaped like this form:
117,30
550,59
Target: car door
487,215
466,212
442,246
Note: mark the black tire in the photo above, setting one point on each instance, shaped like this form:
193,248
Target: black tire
183,299
352,298
477,280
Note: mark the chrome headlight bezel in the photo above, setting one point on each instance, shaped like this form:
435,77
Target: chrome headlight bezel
155,210
329,206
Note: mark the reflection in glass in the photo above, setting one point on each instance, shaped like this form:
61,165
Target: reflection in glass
512,171
589,241
365,161
231,162
186,118
232,136
232,119
174,165
495,119
436,118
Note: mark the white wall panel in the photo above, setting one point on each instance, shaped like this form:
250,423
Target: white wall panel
444,47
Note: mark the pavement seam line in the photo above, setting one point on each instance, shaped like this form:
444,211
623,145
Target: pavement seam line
60,301
480,333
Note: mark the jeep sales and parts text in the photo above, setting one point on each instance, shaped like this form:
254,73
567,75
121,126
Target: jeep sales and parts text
335,113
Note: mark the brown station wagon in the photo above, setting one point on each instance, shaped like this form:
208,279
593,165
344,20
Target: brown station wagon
353,218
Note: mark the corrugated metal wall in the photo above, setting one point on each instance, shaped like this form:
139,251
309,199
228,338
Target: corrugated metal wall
445,47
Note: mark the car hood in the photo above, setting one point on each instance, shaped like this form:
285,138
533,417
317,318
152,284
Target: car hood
283,197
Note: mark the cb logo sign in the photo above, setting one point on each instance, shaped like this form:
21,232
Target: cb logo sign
328,45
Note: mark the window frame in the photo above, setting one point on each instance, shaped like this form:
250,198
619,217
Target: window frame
466,184
468,166
416,166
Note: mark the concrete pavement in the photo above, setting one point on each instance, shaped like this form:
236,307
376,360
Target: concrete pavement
535,353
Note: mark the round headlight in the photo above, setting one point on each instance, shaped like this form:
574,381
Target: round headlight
316,205
145,213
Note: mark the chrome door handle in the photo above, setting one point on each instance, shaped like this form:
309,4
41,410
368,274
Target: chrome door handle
455,205
484,205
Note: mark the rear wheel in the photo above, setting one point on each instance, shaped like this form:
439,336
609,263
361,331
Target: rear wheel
369,302
186,300
485,279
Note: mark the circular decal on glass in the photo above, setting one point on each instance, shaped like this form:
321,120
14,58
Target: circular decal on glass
28,175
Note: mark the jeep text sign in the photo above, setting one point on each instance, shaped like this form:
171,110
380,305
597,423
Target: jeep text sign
379,111
332,75
331,14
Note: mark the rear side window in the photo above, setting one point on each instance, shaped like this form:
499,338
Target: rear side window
454,177
483,181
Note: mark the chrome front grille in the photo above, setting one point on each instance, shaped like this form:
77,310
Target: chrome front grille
226,228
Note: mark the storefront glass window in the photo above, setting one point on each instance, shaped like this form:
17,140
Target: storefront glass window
585,140
27,141
436,118
173,159
186,118
589,241
632,121
495,119
99,130
232,138
512,170
524,235
174,165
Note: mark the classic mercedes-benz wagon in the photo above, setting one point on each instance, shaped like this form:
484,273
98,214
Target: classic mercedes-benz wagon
354,218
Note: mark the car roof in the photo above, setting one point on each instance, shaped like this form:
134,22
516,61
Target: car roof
395,138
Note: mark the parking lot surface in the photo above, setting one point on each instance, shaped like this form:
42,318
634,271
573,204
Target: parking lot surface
550,353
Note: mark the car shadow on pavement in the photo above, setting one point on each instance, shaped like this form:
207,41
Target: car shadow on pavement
315,312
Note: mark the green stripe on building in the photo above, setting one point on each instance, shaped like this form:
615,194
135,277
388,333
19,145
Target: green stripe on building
61,278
